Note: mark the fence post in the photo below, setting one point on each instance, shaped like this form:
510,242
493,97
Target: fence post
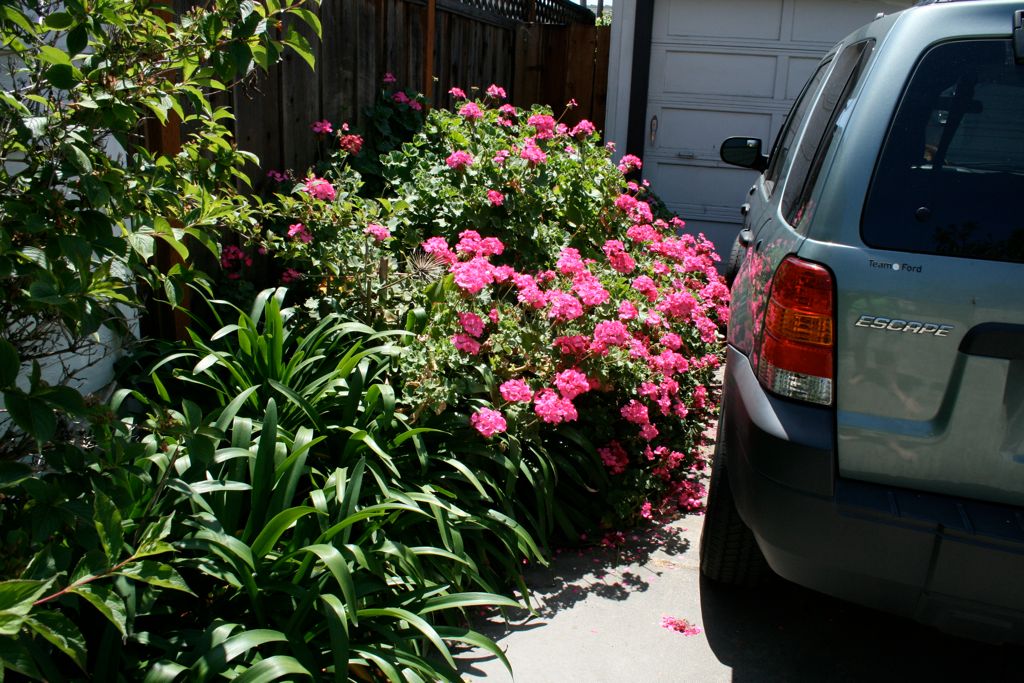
428,57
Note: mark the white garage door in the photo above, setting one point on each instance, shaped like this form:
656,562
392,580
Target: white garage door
730,67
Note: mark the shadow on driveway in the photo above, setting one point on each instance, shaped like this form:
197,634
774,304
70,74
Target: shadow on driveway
783,632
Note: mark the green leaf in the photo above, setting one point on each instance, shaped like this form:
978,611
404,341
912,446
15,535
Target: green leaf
78,39
216,659
106,601
271,669
58,21
108,525
311,19
280,523
337,626
338,566
464,635
152,541
461,600
15,17
31,414
16,600
142,244
13,473
10,363
62,633
298,42
62,76
155,574
52,55
416,622
263,471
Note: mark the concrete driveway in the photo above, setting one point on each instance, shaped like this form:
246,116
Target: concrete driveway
600,612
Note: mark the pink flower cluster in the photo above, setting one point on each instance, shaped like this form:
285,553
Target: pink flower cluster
378,232
321,127
488,422
544,124
350,143
533,153
496,91
471,111
459,160
298,231
400,97
318,188
614,457
232,259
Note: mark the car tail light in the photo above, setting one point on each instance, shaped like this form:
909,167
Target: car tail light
797,341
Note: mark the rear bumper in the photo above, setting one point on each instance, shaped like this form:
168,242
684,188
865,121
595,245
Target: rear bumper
953,563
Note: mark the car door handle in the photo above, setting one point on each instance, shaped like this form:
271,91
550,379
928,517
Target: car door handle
744,208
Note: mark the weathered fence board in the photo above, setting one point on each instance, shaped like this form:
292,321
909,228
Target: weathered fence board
476,43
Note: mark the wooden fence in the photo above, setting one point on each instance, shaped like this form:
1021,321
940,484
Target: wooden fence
475,43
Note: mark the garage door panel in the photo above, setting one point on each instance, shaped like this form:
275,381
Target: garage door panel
717,73
699,132
752,19
730,67
829,22
714,185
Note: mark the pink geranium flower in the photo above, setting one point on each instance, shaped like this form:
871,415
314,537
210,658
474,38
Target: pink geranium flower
516,390
466,344
459,160
321,127
571,383
299,232
488,422
318,188
544,124
495,198
552,408
630,162
351,143
583,129
532,153
457,93
614,457
471,112
472,324
379,232
495,91
389,78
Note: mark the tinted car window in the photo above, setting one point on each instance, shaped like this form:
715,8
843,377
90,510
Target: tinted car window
821,130
952,167
784,143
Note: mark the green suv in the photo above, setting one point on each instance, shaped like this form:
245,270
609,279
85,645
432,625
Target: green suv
871,444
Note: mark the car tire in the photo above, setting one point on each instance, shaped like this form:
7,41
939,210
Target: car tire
735,260
729,553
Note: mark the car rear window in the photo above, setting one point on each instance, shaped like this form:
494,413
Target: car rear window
952,167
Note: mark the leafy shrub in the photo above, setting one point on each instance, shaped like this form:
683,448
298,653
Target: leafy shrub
224,542
560,280
83,204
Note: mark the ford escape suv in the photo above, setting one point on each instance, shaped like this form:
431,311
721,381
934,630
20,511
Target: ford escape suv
871,442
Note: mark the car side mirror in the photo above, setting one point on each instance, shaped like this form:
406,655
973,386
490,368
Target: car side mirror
745,152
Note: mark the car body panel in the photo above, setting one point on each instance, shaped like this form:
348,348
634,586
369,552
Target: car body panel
907,493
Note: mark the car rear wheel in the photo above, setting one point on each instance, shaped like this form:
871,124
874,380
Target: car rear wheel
728,551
